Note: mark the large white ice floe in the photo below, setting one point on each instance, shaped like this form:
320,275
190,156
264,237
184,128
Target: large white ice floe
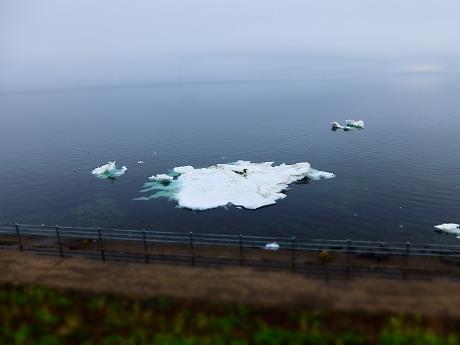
109,170
449,229
245,184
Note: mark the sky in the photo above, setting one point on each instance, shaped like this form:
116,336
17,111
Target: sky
66,42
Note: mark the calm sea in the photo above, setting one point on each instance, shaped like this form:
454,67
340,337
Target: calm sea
395,179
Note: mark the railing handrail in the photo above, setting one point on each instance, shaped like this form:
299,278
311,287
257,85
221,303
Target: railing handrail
302,244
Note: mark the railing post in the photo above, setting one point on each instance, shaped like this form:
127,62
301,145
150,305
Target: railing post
241,250
406,258
18,235
101,244
347,270
58,236
146,252
192,249
293,254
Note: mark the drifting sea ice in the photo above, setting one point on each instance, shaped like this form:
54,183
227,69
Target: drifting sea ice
336,125
449,229
109,171
356,124
245,184
350,125
161,178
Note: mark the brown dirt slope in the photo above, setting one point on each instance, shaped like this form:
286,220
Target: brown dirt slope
232,284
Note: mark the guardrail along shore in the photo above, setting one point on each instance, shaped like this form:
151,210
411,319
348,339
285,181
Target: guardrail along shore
298,254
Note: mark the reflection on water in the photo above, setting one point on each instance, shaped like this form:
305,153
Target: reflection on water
428,83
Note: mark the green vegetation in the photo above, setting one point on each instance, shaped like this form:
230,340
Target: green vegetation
37,315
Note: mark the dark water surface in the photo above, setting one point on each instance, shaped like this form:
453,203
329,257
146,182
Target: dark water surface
395,179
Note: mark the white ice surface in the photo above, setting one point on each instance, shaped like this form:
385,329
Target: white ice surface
356,124
184,169
246,184
449,228
161,178
314,174
109,170
336,125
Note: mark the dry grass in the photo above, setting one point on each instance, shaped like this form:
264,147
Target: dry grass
233,284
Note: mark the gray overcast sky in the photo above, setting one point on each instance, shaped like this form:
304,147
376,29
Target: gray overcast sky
68,41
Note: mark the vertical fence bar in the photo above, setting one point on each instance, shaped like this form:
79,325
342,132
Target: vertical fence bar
58,236
241,250
347,269
18,235
146,251
406,259
101,244
192,249
293,248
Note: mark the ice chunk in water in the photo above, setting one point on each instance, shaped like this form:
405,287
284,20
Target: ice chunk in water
245,184
336,125
272,246
109,171
318,175
355,124
161,178
449,229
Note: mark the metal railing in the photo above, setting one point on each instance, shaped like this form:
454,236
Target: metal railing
57,238
245,241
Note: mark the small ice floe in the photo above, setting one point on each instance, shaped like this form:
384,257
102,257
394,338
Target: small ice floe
336,125
140,162
161,178
109,171
316,175
272,246
355,124
449,229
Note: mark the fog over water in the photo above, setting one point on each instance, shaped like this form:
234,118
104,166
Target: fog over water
56,43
